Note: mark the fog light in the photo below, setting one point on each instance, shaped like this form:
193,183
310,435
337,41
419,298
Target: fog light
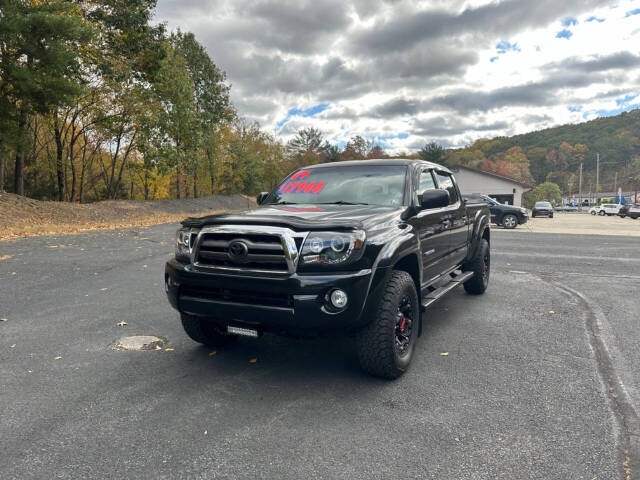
338,298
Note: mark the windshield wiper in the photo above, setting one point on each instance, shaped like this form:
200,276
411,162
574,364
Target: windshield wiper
341,202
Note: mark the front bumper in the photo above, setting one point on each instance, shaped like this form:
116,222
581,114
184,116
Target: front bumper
295,304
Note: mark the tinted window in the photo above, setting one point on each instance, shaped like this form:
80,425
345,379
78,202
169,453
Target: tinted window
446,183
426,182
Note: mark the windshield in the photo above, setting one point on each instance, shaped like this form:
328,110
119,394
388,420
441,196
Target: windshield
489,200
543,204
366,184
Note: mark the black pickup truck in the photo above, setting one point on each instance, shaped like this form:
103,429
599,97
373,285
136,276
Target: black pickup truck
358,247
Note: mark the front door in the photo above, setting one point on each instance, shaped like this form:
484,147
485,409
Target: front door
432,226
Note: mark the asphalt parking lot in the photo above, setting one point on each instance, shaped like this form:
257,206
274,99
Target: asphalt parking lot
541,380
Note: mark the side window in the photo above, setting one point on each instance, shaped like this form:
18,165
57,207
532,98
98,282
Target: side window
426,182
446,183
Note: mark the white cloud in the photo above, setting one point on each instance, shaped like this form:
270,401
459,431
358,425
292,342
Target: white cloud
421,68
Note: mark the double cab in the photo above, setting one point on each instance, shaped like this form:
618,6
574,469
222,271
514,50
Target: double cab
360,248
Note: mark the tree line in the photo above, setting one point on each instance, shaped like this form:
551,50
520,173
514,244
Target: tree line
98,103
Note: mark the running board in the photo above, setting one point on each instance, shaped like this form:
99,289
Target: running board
432,296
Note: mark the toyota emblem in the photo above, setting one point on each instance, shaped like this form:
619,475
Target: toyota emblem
238,251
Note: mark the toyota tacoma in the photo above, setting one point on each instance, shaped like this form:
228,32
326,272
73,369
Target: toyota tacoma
362,248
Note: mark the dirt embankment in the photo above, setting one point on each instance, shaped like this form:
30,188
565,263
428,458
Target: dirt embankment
21,216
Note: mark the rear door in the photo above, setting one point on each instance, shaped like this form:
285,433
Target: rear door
432,228
457,220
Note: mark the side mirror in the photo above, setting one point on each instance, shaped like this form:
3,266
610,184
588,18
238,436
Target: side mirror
262,196
434,199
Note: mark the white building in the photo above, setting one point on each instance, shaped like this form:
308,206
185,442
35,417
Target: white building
503,189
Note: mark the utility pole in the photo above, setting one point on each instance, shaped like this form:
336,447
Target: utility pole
597,176
615,188
580,189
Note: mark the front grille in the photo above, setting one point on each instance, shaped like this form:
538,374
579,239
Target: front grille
264,251
238,296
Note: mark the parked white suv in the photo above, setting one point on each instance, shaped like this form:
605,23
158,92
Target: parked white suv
605,209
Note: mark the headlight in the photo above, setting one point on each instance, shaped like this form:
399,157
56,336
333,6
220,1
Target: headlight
330,248
523,210
185,241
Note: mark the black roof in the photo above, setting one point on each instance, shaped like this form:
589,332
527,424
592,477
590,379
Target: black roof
382,162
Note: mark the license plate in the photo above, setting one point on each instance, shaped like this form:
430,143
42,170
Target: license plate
245,332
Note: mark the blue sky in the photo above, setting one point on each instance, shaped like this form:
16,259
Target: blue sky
304,113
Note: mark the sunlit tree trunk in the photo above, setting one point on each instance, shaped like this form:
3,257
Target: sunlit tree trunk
59,165
178,183
18,181
1,168
195,182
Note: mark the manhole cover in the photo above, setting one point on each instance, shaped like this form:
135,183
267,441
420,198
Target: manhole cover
139,342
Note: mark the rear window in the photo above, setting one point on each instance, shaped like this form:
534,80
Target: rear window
543,205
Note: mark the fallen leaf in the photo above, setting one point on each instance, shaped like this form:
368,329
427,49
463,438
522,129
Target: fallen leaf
253,360
444,354
13,273
144,266
205,432
158,347
211,354
3,320
13,345
169,349
121,323
58,358
551,312
104,289
5,257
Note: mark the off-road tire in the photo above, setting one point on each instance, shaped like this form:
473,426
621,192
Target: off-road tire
376,344
204,331
480,265
509,221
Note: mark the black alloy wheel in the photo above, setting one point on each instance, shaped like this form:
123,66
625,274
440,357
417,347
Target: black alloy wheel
404,325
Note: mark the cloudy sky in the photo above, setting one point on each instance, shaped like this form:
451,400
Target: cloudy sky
403,72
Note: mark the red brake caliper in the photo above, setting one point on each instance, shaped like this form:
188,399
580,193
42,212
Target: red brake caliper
402,324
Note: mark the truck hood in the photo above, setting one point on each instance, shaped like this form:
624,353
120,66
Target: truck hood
307,217
510,209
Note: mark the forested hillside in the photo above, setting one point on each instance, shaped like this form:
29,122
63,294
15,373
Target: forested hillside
555,154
